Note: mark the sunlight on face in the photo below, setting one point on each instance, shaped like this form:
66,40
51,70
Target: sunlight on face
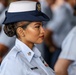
34,33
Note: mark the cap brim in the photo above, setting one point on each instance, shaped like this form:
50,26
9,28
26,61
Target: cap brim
25,16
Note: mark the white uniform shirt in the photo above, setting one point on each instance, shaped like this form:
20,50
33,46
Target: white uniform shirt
21,60
69,51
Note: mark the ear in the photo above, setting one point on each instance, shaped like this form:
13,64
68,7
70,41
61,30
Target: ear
20,32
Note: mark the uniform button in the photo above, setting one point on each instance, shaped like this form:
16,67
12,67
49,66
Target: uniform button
29,53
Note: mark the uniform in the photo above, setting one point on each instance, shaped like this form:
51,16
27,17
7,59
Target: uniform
21,60
69,51
24,61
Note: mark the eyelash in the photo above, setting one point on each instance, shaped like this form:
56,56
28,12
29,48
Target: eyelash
37,27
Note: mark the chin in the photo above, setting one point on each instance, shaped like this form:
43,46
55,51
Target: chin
39,42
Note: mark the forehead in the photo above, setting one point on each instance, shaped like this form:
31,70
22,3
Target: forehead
26,22
36,23
22,23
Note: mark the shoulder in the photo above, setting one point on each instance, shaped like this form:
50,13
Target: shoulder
68,46
11,65
69,37
11,57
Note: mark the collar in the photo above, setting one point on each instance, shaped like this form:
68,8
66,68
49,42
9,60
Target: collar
28,53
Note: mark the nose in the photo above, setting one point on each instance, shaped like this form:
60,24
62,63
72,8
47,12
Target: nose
42,30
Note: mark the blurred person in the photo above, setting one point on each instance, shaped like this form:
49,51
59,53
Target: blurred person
58,28
66,63
74,7
6,42
72,2
3,5
67,57
24,58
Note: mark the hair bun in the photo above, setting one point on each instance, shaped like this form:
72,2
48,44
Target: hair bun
9,30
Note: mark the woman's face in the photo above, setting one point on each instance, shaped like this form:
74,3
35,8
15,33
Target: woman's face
33,33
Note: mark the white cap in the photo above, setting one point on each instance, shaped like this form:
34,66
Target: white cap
21,6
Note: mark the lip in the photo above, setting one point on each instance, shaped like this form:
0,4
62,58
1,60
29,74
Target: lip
41,36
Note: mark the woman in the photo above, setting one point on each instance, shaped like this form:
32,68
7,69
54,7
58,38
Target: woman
24,19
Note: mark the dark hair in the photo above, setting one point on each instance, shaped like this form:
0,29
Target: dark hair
10,29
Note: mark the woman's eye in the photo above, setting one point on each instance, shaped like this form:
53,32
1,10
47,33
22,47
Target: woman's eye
37,27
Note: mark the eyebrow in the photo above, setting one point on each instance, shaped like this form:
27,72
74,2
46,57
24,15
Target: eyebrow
24,25
38,23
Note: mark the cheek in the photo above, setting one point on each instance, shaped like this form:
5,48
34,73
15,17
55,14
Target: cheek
33,35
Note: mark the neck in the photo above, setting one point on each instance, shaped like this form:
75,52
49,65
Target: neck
29,44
